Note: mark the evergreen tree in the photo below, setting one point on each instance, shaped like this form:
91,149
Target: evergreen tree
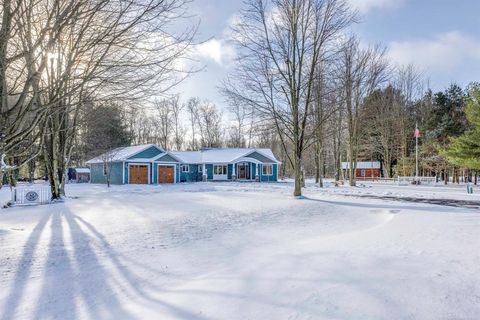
105,130
448,115
446,119
464,150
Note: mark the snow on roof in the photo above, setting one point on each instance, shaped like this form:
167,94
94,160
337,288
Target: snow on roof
82,170
188,156
220,155
223,155
268,153
363,165
217,155
122,153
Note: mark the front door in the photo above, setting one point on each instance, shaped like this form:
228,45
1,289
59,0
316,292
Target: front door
243,171
138,174
166,174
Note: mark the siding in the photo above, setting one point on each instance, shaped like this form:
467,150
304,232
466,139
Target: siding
369,173
191,176
147,154
209,168
259,157
273,177
96,173
167,158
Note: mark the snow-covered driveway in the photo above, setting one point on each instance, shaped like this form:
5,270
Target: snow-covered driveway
237,251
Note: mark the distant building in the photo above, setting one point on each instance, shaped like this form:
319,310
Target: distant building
364,169
79,175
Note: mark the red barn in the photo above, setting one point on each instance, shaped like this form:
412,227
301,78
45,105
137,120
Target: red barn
364,169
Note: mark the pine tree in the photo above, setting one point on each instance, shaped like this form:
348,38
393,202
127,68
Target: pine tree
464,150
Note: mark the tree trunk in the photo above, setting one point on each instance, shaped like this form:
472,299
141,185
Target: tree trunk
322,168
317,164
352,166
297,192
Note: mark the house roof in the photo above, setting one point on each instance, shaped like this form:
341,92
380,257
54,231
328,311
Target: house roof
363,165
123,153
217,155
82,170
220,155
188,156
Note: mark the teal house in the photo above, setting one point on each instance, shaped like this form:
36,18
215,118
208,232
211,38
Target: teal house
150,164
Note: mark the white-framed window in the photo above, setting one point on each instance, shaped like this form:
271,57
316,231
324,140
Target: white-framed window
104,168
185,168
267,169
200,168
363,173
220,169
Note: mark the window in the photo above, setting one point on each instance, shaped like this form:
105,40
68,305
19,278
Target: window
104,168
267,169
200,168
363,173
220,170
185,168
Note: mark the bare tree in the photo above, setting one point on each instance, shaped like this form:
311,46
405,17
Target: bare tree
27,27
240,112
325,107
57,55
381,127
361,71
210,125
410,83
282,43
192,106
163,120
179,130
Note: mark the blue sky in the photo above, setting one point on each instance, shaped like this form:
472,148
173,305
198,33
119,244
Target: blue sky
440,37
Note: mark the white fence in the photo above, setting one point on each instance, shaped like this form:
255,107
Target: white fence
403,181
31,195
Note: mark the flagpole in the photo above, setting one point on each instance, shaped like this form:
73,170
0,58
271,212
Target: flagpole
416,151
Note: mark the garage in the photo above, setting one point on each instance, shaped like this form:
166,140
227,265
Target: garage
166,174
138,174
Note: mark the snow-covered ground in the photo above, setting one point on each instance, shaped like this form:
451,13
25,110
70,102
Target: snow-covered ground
436,191
241,251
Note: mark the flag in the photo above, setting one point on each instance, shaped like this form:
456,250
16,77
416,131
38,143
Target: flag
417,133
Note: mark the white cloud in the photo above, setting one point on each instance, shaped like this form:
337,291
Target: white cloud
443,52
218,51
364,6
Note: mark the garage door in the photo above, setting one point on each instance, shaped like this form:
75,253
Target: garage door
166,174
138,174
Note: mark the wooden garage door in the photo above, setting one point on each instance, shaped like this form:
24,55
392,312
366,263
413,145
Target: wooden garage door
166,174
138,174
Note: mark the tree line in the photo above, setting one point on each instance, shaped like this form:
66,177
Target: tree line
59,59
79,78
331,99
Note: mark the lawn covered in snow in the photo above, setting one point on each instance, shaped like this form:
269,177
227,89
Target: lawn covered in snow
241,251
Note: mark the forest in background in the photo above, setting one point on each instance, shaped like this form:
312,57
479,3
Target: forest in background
386,126
81,77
